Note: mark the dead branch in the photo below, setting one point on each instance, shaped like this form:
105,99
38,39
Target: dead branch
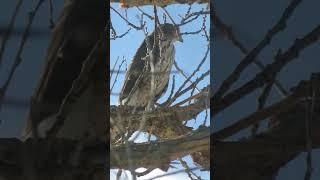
52,161
162,3
227,31
157,154
167,119
281,59
300,93
251,56
262,155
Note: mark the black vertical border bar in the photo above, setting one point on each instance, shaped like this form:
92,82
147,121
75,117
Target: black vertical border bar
107,43
211,87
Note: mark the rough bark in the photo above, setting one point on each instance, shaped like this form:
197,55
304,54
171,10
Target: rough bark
261,156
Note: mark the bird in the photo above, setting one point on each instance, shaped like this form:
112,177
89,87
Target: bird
75,33
79,30
137,83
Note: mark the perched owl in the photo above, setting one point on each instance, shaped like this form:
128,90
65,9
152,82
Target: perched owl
137,84
80,25
77,30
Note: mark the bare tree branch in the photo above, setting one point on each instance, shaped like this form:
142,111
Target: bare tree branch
132,3
250,57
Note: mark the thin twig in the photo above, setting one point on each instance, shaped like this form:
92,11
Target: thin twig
126,20
178,92
114,67
9,30
51,15
236,42
308,124
281,59
250,57
18,58
115,80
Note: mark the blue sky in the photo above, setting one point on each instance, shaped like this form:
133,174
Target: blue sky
188,56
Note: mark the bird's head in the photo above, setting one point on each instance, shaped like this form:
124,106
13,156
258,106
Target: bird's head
171,31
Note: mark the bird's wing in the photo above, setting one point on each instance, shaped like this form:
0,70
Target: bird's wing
158,96
135,69
69,46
